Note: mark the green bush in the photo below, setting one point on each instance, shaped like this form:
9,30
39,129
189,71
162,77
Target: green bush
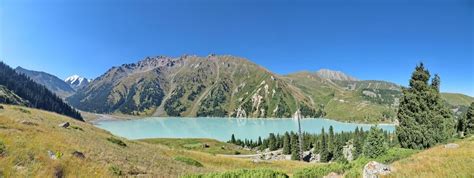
115,170
267,173
117,141
188,161
321,171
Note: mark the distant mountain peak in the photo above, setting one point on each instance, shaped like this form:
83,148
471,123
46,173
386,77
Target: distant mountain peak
335,75
76,81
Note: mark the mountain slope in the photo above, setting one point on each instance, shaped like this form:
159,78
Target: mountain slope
457,99
77,82
28,134
51,82
217,86
349,100
38,96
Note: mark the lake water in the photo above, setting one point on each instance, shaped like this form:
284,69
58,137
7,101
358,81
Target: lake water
221,128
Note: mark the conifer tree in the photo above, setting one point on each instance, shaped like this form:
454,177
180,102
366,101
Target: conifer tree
232,139
375,144
325,155
294,147
272,144
423,117
286,144
470,120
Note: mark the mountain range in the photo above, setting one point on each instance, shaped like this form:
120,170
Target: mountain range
228,86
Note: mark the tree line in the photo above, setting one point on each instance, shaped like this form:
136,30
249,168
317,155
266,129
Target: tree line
38,96
328,144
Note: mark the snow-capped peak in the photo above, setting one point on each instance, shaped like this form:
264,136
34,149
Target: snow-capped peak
77,81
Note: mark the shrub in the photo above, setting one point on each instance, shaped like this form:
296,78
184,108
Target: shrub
188,161
267,173
115,170
321,171
117,141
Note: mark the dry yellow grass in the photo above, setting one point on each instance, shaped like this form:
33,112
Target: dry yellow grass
27,147
439,162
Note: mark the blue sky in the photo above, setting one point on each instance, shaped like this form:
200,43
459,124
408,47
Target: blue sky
369,39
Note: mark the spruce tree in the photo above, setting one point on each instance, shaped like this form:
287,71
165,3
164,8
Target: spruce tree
423,117
294,147
232,139
272,144
325,155
330,140
375,144
286,144
470,120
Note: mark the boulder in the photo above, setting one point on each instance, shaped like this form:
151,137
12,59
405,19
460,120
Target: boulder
333,175
1,107
78,154
205,145
347,152
64,125
52,155
374,169
451,146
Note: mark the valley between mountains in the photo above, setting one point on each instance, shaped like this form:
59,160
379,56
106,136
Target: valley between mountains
228,86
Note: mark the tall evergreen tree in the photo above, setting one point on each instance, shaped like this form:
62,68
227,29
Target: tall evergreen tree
423,117
330,140
232,139
470,120
325,155
272,144
286,144
294,147
375,144
358,143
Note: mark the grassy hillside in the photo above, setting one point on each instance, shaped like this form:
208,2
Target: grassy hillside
457,99
439,162
199,144
28,134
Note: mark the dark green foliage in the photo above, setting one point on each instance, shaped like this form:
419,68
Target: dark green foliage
321,171
188,161
382,96
212,105
116,170
173,106
358,143
194,93
325,155
286,144
470,120
264,173
308,112
295,147
272,144
117,141
375,144
423,117
37,95
232,139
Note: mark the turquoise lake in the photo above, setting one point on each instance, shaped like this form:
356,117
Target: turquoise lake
221,128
